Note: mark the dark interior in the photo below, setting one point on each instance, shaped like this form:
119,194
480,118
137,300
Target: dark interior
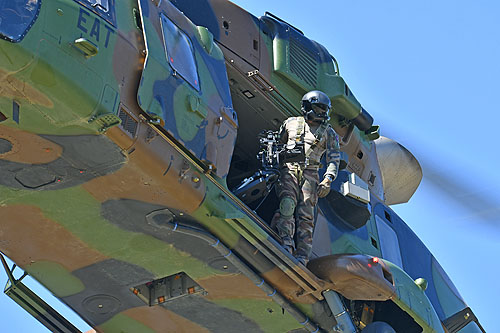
255,114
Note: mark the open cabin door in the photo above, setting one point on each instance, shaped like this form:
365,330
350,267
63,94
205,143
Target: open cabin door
184,85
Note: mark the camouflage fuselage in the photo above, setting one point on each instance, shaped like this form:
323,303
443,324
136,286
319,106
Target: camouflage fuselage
109,141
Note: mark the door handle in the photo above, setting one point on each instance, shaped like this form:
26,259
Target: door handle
84,45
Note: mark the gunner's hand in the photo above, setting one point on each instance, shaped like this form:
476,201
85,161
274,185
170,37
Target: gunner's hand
324,186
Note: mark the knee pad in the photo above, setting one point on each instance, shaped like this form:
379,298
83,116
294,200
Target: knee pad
287,207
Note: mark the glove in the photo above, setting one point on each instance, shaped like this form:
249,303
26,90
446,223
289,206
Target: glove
324,186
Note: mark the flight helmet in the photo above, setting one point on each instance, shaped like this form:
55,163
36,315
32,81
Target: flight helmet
316,106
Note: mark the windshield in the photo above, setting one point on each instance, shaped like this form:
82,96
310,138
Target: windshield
16,17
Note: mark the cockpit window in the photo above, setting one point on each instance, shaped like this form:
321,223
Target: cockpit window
17,17
180,53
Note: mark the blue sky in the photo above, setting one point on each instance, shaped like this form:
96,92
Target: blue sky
428,73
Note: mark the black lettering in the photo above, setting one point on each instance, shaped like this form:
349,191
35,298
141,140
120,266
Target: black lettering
81,20
96,28
107,35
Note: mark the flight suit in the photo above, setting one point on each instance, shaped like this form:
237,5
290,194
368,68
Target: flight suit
298,185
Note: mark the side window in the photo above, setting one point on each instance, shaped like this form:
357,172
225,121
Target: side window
103,8
17,17
389,243
179,50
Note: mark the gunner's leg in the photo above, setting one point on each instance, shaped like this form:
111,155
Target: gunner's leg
308,198
285,224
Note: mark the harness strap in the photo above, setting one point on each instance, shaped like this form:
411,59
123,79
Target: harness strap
300,130
320,132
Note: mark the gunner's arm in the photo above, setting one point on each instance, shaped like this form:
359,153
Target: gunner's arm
287,133
332,154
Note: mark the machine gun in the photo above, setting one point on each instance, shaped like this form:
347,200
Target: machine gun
271,155
270,149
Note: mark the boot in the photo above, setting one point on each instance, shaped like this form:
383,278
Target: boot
288,244
303,260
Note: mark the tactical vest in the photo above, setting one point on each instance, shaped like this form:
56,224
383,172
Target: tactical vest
299,153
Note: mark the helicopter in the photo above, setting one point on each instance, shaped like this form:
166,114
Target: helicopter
152,121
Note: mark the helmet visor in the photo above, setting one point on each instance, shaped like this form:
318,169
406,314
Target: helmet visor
319,108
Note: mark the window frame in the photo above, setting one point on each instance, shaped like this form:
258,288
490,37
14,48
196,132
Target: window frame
196,85
109,16
26,29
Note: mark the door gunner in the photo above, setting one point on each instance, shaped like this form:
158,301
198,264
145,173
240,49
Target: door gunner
299,186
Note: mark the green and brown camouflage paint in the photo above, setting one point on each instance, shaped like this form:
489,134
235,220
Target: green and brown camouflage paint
93,145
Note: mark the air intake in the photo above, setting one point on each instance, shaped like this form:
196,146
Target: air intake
303,61
128,123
